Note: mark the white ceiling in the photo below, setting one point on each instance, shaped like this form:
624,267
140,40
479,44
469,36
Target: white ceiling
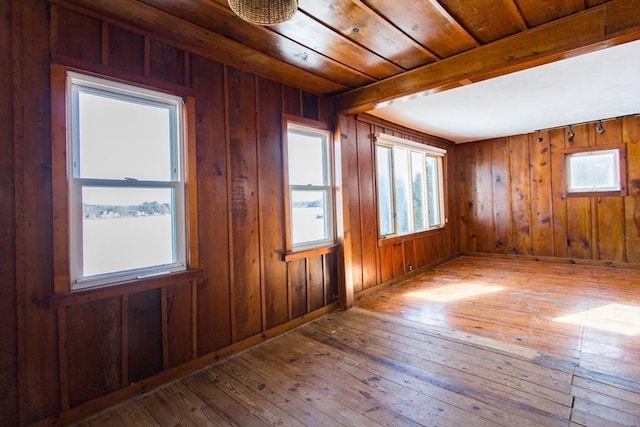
594,86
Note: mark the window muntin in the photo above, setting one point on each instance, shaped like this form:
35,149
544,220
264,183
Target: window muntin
309,185
126,183
593,171
409,181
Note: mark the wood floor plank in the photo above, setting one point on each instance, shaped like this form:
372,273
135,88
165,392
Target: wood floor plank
464,383
365,372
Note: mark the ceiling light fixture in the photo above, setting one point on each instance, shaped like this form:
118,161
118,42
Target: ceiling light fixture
539,137
599,127
570,134
264,12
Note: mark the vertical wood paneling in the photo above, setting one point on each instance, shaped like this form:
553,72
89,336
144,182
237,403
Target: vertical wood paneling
501,182
37,328
291,102
419,252
145,335
76,35
93,345
309,106
409,255
368,221
244,203
315,283
467,197
559,193
541,196
398,259
631,137
271,192
330,275
350,184
610,210
214,316
179,328
386,262
166,63
126,50
484,197
297,276
520,194
579,210
8,326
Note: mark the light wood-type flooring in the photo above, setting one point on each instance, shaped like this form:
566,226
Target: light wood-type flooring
474,342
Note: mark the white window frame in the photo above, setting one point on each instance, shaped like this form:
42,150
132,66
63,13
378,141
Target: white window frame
310,128
390,141
611,156
80,82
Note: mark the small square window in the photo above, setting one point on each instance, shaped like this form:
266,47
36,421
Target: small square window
594,171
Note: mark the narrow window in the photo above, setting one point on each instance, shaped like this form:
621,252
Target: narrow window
126,182
310,211
409,181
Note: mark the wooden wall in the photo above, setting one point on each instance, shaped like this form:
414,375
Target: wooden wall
374,262
84,353
8,319
513,199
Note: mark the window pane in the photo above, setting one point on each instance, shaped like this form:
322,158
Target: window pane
403,188
385,194
126,228
596,171
309,216
307,157
417,172
433,191
119,139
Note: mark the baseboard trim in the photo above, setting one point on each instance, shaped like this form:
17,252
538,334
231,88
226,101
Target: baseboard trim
555,260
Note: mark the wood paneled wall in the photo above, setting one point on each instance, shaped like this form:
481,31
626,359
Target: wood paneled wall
8,319
374,263
513,198
81,355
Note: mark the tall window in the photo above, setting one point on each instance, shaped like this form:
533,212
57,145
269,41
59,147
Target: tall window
309,186
410,179
126,182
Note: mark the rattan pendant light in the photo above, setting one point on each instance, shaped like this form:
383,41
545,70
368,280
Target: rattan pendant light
264,12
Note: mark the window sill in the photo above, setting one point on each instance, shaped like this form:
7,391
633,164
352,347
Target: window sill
405,237
308,253
112,290
619,193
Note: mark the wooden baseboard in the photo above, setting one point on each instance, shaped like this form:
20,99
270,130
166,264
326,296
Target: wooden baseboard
404,278
138,389
556,260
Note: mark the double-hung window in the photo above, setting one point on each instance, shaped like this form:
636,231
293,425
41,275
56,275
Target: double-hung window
410,186
126,182
310,193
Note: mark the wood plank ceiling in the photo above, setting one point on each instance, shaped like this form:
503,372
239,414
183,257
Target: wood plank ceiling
335,46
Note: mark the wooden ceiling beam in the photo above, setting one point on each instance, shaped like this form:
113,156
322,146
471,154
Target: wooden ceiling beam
609,24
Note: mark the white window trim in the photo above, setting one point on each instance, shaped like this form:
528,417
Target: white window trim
440,153
614,164
292,124
75,184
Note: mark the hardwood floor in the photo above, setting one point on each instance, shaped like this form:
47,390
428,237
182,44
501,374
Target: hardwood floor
475,342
